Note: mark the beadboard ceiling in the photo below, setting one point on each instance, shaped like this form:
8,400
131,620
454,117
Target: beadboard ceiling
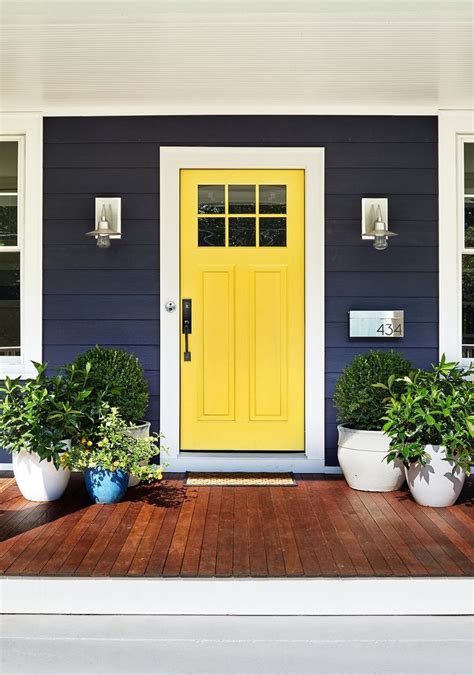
195,56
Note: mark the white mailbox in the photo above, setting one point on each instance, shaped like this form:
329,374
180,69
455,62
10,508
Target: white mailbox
388,323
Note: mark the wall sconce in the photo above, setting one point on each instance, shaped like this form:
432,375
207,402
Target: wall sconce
108,220
375,222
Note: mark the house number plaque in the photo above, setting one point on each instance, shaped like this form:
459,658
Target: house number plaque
376,324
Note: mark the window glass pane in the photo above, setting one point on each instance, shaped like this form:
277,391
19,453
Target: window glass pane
211,231
211,199
468,306
242,199
242,231
8,220
8,190
8,166
469,168
272,199
469,222
9,304
272,231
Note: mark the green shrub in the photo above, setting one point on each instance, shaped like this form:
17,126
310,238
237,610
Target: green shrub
434,407
117,377
359,404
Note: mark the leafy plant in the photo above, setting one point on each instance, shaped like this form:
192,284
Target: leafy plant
117,378
359,405
112,447
37,415
432,408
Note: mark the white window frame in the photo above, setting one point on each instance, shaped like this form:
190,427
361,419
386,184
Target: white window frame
172,160
455,128
27,129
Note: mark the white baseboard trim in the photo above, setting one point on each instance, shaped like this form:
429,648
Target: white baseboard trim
246,461
297,597
6,466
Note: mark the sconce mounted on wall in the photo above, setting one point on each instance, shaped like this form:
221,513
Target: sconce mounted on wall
108,219
375,221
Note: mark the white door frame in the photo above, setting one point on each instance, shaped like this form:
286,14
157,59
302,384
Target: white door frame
172,160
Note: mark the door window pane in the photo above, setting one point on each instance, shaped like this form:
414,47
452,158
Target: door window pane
8,220
272,199
9,166
211,199
242,199
272,231
242,231
9,304
468,306
211,231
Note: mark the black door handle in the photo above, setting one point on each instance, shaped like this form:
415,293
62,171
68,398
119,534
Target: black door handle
187,327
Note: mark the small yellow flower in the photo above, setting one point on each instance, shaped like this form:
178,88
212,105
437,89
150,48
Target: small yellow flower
83,441
89,443
160,476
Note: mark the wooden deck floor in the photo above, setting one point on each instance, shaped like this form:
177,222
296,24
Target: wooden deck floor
318,528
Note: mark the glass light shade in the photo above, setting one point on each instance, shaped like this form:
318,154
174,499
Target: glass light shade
380,242
103,241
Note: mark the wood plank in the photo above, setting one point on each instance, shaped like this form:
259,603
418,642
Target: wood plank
207,563
257,552
417,558
165,536
341,557
225,536
175,555
81,546
342,524
102,541
58,557
192,554
241,555
382,541
110,555
142,556
307,555
122,564
458,542
290,551
429,537
316,535
271,537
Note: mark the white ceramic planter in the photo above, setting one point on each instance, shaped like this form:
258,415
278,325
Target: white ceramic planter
39,481
361,455
140,431
434,484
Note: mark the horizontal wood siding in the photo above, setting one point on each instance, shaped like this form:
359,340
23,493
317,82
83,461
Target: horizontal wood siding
112,297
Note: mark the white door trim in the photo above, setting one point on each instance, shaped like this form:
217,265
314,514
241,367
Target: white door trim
172,160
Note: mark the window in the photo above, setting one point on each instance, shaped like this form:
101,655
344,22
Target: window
467,264
20,243
242,215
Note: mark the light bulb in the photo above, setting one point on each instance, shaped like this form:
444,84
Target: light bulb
380,242
103,241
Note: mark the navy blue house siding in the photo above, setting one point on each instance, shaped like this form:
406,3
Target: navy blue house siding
112,297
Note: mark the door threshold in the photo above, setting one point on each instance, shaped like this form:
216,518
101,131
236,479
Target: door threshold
269,462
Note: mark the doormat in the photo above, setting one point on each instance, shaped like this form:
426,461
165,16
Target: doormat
200,479
5,483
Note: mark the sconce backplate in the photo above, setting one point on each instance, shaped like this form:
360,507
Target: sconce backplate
369,214
113,213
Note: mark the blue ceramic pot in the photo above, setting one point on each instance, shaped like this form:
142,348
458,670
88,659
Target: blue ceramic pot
106,487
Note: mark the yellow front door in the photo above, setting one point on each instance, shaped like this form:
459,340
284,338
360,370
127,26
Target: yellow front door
242,268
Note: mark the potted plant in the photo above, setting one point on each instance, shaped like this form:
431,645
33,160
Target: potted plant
431,426
363,445
117,377
38,418
109,455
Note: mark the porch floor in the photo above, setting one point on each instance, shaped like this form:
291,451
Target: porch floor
320,528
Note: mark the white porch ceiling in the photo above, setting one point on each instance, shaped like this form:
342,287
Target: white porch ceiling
195,56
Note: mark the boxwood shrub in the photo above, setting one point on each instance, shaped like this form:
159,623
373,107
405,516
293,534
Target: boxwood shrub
359,404
118,376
